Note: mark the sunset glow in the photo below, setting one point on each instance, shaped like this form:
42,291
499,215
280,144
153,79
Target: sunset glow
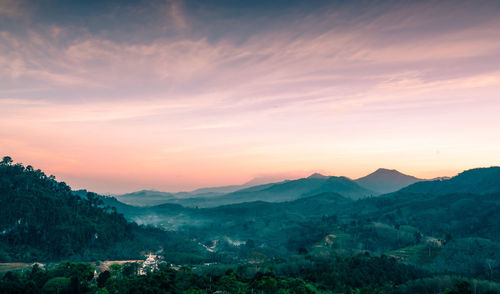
176,95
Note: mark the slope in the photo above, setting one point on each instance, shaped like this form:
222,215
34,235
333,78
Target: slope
477,181
42,219
385,181
283,191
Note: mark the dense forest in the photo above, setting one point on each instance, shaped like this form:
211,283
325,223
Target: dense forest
300,274
453,233
415,240
43,220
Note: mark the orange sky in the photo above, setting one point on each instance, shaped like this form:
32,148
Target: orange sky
204,97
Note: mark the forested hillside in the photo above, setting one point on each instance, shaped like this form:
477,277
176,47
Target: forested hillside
280,192
428,230
409,241
41,219
477,181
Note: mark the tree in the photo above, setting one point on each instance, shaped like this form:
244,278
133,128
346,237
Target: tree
103,278
268,284
418,237
7,160
56,285
115,270
447,238
229,282
130,269
250,244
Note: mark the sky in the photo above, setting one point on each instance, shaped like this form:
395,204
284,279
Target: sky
118,96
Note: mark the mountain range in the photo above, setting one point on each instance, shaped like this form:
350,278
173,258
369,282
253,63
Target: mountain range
429,223
379,182
276,192
411,224
153,197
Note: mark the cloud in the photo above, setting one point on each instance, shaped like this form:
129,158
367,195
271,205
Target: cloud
13,8
175,15
300,69
301,92
293,62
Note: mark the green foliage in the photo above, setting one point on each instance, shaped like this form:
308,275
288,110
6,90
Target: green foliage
41,219
317,244
477,181
57,285
103,278
315,277
449,284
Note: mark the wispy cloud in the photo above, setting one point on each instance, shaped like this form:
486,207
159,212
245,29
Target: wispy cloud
175,16
13,8
288,91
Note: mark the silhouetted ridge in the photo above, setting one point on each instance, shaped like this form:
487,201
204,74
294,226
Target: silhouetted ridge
477,181
145,198
386,180
317,176
42,219
43,215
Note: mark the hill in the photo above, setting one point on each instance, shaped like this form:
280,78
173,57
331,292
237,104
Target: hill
426,229
477,181
145,198
153,197
314,185
385,181
283,191
42,219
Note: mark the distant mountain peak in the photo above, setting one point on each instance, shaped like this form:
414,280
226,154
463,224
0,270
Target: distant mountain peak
265,179
385,180
317,176
386,171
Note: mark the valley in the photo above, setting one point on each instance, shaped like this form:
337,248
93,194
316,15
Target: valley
275,225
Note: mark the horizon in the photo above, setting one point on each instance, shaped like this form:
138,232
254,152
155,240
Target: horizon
262,179
118,97
295,178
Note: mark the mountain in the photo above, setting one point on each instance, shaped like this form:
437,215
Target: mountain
145,198
316,205
314,185
174,216
461,214
426,229
439,224
153,197
287,190
477,181
317,176
283,191
217,191
266,179
42,219
213,190
385,181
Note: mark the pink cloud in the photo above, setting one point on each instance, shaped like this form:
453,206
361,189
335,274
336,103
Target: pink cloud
185,111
